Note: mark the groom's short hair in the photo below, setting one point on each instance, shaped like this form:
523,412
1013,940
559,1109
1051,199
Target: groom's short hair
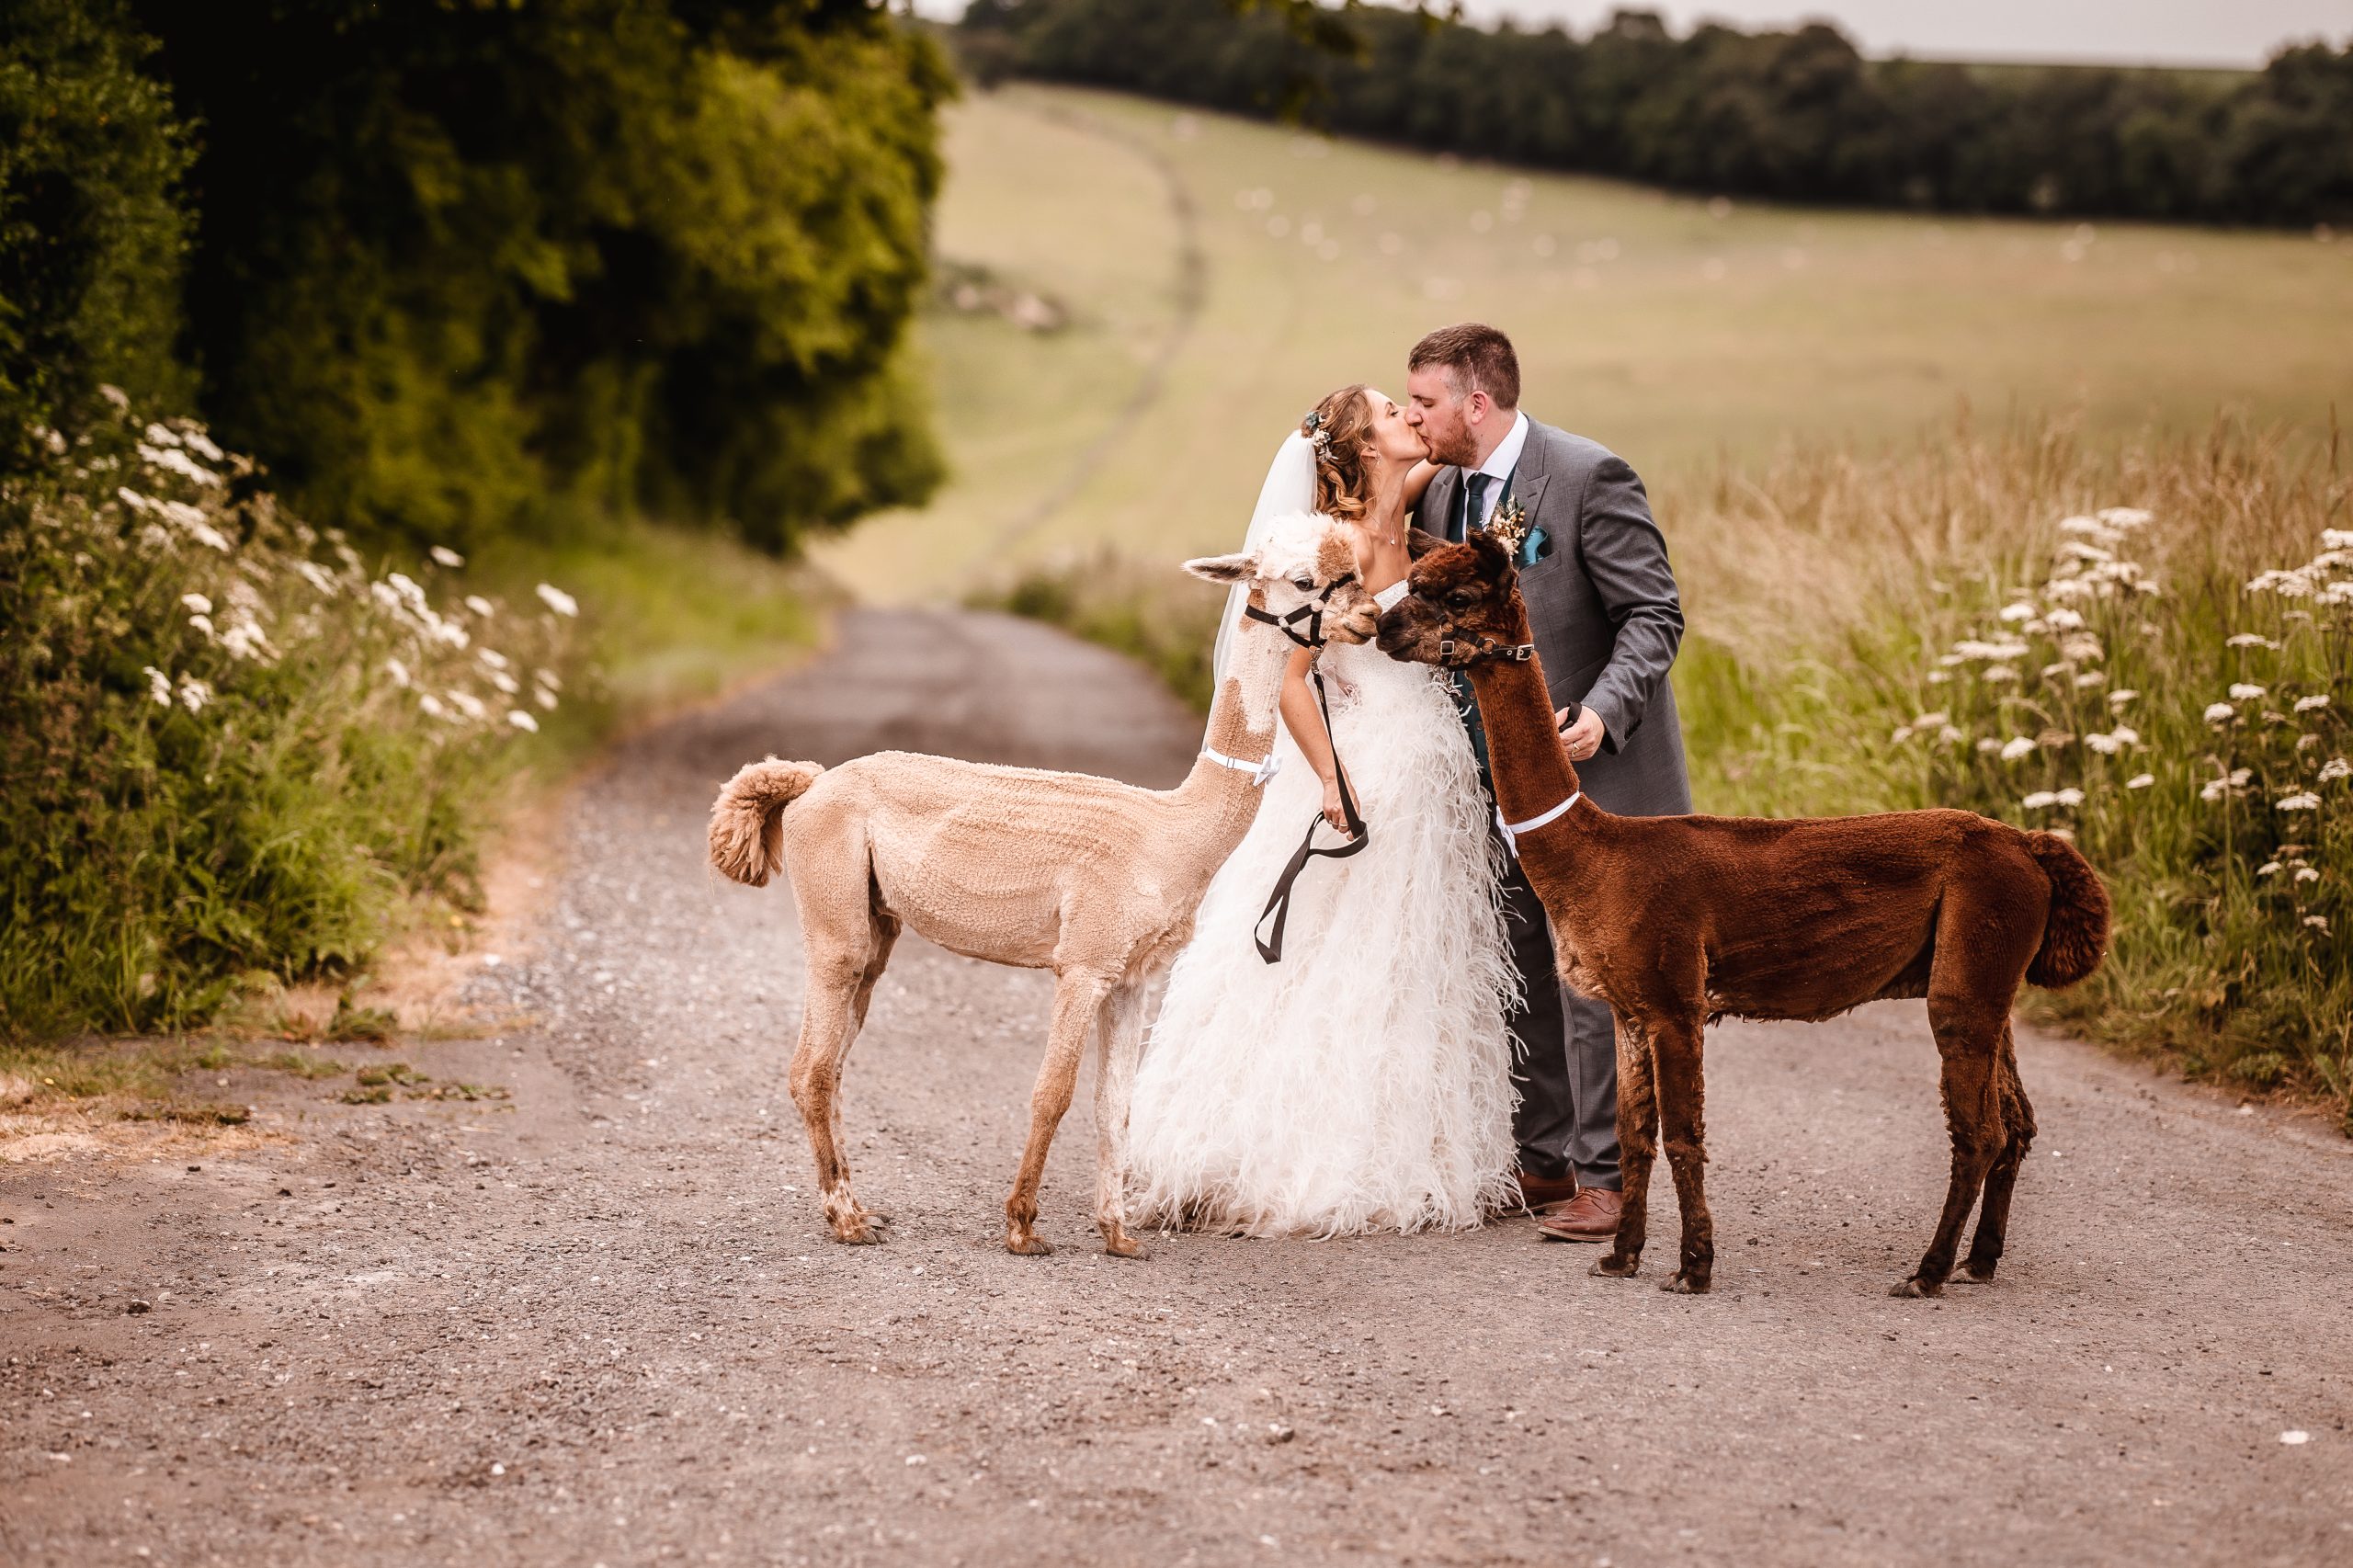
1476,357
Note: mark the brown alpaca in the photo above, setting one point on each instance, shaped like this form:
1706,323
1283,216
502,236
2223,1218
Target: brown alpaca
1678,921
1094,879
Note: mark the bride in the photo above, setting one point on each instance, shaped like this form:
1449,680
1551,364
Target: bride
1363,1081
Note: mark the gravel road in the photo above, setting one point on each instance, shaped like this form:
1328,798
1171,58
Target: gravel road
599,1322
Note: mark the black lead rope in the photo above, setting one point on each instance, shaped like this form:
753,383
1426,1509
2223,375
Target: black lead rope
1278,906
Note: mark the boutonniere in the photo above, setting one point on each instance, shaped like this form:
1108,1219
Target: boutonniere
1528,543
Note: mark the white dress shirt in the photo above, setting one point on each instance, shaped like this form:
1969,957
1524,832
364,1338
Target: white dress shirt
1500,463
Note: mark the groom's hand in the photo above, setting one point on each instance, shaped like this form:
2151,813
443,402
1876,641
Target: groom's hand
1583,737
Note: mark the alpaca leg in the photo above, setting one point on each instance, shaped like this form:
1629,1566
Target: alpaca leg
1637,1145
1121,1025
834,980
1076,998
1969,1032
885,936
2017,1124
1677,1045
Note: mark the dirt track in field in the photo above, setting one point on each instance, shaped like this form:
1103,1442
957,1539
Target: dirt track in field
604,1326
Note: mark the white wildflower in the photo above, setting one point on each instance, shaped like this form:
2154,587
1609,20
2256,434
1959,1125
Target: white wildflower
479,605
159,686
2303,801
2140,781
521,720
203,623
2243,691
2016,747
2311,704
2107,746
398,672
1989,745
2220,712
2042,800
171,460
206,534
431,704
2306,874
2071,796
2336,767
556,599
547,679
544,698
2336,539
2126,516
132,499
2090,678
448,632
163,436
468,704
446,556
2125,735
2019,611
505,682
2064,620
1998,673
2288,585
1932,721
198,603
1950,735
197,441
194,694
2318,923
493,657
2008,648
2268,868
318,576
115,395
2077,549
2249,640
2088,527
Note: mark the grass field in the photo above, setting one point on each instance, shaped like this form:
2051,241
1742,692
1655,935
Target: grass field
1689,336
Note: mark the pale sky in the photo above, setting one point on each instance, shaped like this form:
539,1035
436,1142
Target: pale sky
2169,32
2172,32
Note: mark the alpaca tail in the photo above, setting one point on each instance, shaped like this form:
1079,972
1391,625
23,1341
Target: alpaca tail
2074,937
748,820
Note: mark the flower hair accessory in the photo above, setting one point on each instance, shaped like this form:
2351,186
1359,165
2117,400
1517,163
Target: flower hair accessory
1317,437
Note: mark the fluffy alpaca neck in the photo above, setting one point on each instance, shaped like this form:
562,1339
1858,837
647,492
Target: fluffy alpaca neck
1243,730
1530,763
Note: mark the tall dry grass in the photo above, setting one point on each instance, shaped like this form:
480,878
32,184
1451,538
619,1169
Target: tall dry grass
2147,645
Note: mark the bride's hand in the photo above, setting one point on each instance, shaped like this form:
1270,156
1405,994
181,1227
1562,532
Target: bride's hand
1334,812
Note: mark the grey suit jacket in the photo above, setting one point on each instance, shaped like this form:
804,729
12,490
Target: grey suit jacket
1604,609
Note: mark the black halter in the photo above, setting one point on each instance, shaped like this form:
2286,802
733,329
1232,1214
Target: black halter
1311,612
1456,654
1270,947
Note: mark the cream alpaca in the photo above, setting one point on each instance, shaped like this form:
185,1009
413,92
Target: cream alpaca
1094,879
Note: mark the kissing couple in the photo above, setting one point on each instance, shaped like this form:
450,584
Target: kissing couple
1412,1061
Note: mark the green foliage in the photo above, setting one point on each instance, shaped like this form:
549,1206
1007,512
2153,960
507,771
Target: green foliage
455,262
1798,115
90,235
225,750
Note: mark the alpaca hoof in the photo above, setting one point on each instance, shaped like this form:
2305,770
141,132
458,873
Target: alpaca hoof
1685,1284
1978,1272
1027,1246
1123,1245
859,1235
1615,1267
1916,1289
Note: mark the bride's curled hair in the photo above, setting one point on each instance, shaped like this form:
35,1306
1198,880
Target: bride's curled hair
1341,428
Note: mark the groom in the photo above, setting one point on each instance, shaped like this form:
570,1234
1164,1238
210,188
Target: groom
1607,620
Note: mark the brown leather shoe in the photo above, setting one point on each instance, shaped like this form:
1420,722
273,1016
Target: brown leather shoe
1591,1216
1538,1192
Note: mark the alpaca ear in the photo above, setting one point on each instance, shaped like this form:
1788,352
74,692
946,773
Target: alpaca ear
1419,543
1224,568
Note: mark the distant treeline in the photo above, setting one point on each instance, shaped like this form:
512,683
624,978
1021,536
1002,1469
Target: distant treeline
441,264
1800,116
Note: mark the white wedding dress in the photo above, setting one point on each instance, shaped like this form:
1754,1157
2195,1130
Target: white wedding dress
1364,1081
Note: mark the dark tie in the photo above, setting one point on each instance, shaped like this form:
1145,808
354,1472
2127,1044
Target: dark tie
1474,511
